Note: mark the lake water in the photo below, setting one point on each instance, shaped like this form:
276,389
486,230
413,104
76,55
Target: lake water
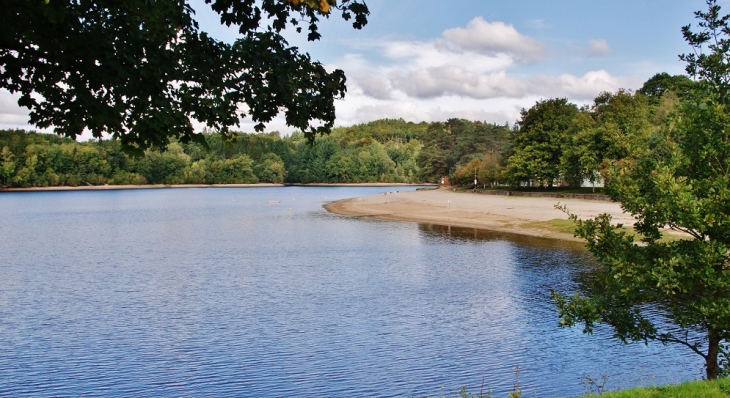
225,292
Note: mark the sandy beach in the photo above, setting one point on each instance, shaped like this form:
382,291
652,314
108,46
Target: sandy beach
517,215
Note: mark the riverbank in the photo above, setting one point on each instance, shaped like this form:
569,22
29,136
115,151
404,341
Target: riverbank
532,216
162,186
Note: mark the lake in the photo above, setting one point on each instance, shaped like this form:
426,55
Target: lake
256,292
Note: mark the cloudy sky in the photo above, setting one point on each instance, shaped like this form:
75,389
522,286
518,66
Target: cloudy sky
429,60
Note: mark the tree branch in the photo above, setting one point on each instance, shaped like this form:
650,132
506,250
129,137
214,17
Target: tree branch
669,338
688,231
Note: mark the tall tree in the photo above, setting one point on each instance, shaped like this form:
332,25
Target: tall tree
538,144
142,70
662,83
681,181
437,155
615,126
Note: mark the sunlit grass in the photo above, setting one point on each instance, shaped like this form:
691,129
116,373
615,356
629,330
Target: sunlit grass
567,190
693,389
710,389
555,225
567,226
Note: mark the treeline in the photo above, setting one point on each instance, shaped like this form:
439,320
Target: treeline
458,147
557,142
381,151
554,143
31,159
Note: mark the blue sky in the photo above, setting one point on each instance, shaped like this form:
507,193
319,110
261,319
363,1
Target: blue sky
427,60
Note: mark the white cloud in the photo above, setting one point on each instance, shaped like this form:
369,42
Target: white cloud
479,114
484,71
473,62
359,109
430,111
598,47
12,116
352,63
493,38
456,80
415,55
374,86
595,48
477,72
9,104
580,88
406,110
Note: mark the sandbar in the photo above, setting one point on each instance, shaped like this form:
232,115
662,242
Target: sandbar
509,214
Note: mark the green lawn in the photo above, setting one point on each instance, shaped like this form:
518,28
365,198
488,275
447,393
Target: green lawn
716,388
579,190
568,227
692,389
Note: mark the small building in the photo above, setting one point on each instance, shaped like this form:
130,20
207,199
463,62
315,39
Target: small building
444,182
595,184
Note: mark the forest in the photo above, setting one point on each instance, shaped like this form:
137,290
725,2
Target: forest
555,142
382,151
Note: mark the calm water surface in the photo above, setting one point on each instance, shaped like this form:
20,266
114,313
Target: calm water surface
220,292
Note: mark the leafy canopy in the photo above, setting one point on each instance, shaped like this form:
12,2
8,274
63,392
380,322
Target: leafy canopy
142,70
539,143
679,291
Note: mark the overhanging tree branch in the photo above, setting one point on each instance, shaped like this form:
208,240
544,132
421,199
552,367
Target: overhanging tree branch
150,53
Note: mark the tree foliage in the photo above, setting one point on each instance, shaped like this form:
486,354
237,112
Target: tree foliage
616,125
662,83
363,153
380,151
681,181
142,70
539,143
449,146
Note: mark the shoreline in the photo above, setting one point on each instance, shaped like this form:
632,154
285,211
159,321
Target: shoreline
529,216
172,186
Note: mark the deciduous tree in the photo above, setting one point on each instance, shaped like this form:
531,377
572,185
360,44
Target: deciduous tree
613,127
676,291
663,83
142,70
539,143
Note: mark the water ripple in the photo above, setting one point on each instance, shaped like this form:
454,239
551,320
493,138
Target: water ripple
185,292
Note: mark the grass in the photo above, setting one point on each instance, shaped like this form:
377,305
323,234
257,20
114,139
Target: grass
568,227
554,225
710,389
580,190
692,389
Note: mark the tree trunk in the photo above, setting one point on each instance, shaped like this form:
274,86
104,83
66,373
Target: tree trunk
712,351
